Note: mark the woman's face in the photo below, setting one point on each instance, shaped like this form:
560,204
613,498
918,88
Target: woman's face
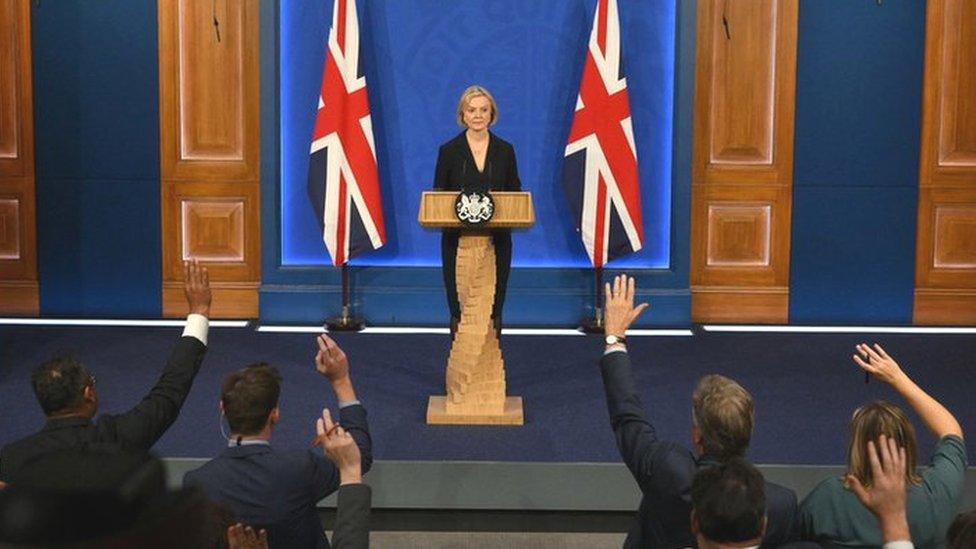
477,113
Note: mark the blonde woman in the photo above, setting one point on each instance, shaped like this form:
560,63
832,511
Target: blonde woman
832,513
476,160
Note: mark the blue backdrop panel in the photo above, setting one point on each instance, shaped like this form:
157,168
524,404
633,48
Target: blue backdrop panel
96,98
96,89
858,104
853,255
99,248
419,56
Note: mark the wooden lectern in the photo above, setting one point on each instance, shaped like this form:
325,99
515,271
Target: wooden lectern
475,369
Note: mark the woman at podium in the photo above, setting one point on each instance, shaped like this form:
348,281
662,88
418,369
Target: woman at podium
476,160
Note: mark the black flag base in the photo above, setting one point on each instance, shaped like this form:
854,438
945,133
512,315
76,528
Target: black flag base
594,324
345,322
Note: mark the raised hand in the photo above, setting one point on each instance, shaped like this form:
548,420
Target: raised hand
877,362
619,310
330,360
887,495
197,287
339,447
244,537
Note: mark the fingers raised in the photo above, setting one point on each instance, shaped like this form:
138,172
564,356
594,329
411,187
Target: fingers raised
857,488
638,310
872,354
873,459
864,365
884,451
327,420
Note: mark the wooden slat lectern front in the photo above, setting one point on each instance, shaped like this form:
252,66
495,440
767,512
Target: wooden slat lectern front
475,369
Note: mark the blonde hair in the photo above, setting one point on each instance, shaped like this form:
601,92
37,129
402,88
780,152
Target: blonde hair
867,424
724,414
468,95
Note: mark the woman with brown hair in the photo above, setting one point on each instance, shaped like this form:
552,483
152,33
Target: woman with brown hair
832,512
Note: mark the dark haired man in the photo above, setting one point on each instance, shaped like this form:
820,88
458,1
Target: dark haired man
728,506
266,488
67,393
722,417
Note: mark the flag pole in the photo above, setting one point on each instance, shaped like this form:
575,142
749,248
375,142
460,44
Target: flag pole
345,322
594,324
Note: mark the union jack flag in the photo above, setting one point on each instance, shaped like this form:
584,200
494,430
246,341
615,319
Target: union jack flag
343,182
600,169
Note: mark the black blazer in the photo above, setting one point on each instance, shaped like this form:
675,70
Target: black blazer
664,471
278,491
457,170
136,430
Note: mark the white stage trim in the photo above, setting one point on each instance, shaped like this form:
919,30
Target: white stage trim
114,322
836,329
445,331
292,329
660,333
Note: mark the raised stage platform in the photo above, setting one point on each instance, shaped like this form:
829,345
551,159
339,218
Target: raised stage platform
564,457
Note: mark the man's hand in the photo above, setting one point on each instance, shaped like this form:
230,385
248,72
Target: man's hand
331,362
340,448
244,537
878,363
619,308
197,287
887,495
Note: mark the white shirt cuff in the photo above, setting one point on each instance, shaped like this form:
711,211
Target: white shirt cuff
609,350
197,326
900,544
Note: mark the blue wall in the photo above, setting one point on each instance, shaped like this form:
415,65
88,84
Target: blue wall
96,115
413,99
418,57
859,81
855,189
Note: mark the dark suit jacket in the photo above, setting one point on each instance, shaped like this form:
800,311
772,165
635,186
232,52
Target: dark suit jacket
276,490
352,517
136,430
457,170
665,470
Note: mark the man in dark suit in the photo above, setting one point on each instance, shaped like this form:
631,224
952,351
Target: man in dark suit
67,394
722,415
273,490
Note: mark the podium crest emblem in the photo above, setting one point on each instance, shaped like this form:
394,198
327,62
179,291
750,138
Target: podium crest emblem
474,208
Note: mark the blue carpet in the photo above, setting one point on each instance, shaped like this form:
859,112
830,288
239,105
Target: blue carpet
805,388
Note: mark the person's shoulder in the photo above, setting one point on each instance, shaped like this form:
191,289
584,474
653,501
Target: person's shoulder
829,489
13,454
299,461
205,471
779,492
15,446
453,143
951,444
501,143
